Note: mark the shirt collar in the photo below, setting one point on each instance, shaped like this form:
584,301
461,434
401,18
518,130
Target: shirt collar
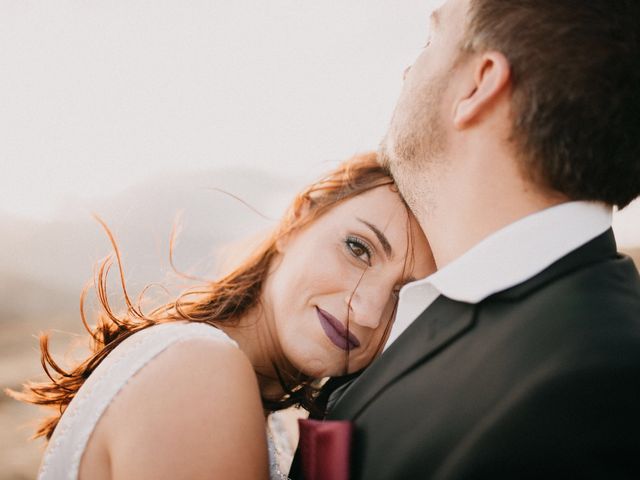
519,251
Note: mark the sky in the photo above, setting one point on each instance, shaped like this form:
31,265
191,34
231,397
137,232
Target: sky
96,97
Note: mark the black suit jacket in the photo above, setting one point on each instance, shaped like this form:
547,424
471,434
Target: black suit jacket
541,380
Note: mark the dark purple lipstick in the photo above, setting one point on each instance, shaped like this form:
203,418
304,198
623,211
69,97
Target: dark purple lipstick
339,335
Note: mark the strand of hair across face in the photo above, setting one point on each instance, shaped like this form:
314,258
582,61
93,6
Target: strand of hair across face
349,309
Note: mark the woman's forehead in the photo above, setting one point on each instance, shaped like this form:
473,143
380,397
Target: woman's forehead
378,199
384,209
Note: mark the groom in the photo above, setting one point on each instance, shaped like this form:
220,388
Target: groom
517,130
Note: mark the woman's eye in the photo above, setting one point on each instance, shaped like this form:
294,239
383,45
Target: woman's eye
359,249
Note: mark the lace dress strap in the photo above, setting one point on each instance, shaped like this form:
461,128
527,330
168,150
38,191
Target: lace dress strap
69,440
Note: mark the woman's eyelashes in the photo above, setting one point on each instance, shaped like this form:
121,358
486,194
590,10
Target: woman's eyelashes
359,249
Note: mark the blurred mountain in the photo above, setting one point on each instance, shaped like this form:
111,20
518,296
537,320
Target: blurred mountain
44,264
22,298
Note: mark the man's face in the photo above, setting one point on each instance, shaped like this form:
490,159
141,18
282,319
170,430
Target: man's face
416,142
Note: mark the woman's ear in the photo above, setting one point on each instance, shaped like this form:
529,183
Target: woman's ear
491,74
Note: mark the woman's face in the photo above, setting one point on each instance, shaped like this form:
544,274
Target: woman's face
346,266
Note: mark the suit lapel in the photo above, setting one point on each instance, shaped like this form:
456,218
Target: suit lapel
438,326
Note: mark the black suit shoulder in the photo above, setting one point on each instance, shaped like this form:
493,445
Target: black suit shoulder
570,423
571,414
587,315
570,407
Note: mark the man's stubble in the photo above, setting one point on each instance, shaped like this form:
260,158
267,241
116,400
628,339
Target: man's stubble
415,145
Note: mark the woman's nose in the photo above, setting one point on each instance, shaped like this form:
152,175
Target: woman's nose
365,308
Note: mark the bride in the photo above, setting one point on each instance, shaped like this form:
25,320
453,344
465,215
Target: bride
183,392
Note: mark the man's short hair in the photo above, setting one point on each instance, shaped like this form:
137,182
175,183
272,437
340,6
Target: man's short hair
575,68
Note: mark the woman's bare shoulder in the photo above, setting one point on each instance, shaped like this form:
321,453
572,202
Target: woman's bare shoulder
193,411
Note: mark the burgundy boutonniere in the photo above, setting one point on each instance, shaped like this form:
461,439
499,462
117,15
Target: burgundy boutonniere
325,447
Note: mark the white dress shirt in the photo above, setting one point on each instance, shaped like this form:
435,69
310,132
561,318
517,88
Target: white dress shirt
505,259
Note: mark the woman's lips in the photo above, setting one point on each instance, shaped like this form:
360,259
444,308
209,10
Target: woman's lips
339,335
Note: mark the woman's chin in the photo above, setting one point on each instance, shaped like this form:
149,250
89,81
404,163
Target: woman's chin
315,371
317,368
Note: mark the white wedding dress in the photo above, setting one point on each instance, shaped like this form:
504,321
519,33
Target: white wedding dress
69,440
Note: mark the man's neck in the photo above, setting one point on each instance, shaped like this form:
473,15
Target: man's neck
472,206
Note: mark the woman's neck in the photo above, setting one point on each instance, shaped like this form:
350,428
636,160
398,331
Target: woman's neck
255,336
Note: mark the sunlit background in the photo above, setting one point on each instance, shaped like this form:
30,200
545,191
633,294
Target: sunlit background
138,110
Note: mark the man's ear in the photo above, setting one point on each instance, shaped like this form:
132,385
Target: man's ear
491,74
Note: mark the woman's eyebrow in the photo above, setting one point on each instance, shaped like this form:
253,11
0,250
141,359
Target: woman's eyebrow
386,246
